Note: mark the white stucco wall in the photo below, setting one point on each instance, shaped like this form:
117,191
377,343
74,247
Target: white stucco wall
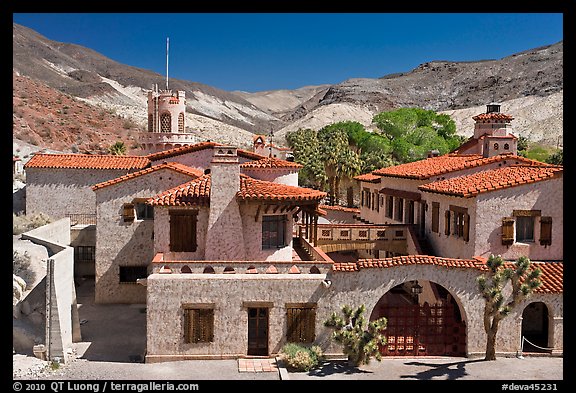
120,243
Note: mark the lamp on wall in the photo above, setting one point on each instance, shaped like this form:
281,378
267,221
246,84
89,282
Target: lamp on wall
416,290
326,283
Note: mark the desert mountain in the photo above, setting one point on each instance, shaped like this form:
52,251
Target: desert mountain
529,85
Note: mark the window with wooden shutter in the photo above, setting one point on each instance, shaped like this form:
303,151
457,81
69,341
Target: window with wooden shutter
389,206
507,231
198,325
128,212
466,227
301,323
183,230
447,222
435,216
545,231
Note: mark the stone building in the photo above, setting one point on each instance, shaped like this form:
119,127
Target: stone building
166,121
229,256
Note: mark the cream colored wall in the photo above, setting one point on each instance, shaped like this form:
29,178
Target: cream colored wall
546,196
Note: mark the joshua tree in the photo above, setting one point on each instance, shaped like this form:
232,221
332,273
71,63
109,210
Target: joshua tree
524,281
359,343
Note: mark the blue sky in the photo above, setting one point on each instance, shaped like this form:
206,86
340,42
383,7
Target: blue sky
268,51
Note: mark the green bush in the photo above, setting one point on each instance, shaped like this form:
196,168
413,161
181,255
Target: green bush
301,358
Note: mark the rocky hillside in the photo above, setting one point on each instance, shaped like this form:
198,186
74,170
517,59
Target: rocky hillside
528,84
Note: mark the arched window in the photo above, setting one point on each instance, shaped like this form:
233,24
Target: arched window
209,270
150,122
229,270
181,122
314,270
506,146
496,146
165,122
185,269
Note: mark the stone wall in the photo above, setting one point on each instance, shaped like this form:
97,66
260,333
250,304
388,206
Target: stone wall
232,294
450,246
280,175
57,192
120,243
492,207
252,245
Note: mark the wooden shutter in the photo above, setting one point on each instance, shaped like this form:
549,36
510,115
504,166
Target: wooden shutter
447,222
183,230
466,233
507,231
198,325
545,231
128,212
435,216
301,324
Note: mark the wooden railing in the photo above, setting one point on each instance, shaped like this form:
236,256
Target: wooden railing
81,219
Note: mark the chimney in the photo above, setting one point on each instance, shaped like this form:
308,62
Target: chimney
493,107
225,239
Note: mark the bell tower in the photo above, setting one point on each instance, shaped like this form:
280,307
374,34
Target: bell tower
166,118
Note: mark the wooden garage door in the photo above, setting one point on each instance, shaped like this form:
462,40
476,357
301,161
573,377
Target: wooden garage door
425,330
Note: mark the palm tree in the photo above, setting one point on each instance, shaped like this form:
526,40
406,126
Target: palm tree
339,160
118,149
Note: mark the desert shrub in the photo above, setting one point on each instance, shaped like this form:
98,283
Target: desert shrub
23,223
301,358
21,266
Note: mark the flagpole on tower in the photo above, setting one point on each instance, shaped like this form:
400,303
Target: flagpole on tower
167,46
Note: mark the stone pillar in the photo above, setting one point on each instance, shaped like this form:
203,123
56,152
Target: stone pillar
225,237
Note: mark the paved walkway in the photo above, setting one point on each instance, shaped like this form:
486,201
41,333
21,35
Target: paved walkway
257,365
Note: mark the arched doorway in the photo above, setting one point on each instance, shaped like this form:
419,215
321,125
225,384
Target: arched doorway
535,328
425,324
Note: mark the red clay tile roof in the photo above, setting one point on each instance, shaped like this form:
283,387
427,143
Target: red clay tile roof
368,177
87,161
340,208
409,260
181,168
252,189
496,179
270,163
552,277
197,147
492,116
434,166
197,192
552,272
194,192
